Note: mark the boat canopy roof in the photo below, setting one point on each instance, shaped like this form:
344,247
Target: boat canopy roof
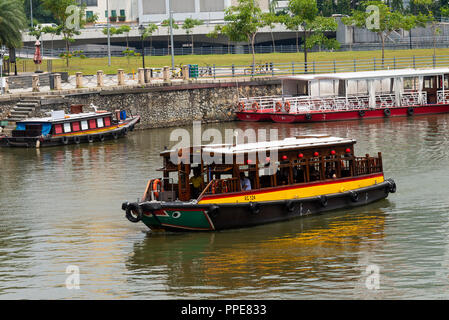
300,142
367,75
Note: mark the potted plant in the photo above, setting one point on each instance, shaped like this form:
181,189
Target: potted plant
113,19
122,18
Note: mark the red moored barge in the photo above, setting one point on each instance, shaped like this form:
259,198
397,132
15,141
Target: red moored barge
352,96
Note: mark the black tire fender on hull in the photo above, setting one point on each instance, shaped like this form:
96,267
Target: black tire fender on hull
134,212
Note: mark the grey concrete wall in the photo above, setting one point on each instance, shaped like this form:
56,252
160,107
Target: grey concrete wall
167,105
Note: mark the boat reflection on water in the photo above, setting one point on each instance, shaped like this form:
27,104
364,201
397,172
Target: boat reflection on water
264,259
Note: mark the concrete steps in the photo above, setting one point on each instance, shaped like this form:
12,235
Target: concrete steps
20,112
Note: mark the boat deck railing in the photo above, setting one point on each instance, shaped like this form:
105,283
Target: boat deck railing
442,96
301,104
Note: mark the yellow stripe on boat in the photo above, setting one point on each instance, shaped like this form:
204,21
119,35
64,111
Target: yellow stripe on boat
295,191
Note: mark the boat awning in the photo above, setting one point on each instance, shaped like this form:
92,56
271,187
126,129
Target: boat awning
46,127
288,143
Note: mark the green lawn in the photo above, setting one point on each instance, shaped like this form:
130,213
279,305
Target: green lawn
91,65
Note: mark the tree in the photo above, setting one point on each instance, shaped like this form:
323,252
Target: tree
426,12
149,30
304,13
70,18
188,26
242,23
166,23
377,17
40,14
270,19
12,22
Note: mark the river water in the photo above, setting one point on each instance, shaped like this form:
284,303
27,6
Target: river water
61,207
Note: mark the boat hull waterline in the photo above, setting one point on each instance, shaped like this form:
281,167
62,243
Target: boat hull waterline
182,216
97,135
321,116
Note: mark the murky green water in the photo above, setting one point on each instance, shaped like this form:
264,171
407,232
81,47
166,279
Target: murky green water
61,207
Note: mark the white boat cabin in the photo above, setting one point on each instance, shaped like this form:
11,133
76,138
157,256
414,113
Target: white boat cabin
357,90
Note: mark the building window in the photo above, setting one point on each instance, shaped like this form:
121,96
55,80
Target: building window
153,7
89,14
106,13
211,5
113,13
122,13
90,3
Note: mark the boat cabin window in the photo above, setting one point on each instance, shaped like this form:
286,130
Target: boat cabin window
75,126
67,127
429,82
58,128
107,121
84,125
92,124
100,123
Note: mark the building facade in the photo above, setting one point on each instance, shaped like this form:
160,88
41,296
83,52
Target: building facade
146,11
119,10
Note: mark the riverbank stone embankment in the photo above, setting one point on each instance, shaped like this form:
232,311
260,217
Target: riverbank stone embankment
159,105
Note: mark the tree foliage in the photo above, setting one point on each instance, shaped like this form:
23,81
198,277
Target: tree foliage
188,26
12,22
69,21
304,15
242,23
377,17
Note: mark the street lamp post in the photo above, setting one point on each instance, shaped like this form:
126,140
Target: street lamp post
109,33
142,32
171,37
2,54
31,13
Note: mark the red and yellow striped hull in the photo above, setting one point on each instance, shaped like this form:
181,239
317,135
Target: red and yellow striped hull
298,191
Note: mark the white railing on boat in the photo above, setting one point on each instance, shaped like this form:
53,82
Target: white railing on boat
442,97
301,104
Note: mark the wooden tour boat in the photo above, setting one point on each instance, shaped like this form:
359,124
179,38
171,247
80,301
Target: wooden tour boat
351,96
313,174
74,128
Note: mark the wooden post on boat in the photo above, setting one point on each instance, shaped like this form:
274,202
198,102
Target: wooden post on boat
166,73
120,77
100,78
141,76
79,80
57,79
35,84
